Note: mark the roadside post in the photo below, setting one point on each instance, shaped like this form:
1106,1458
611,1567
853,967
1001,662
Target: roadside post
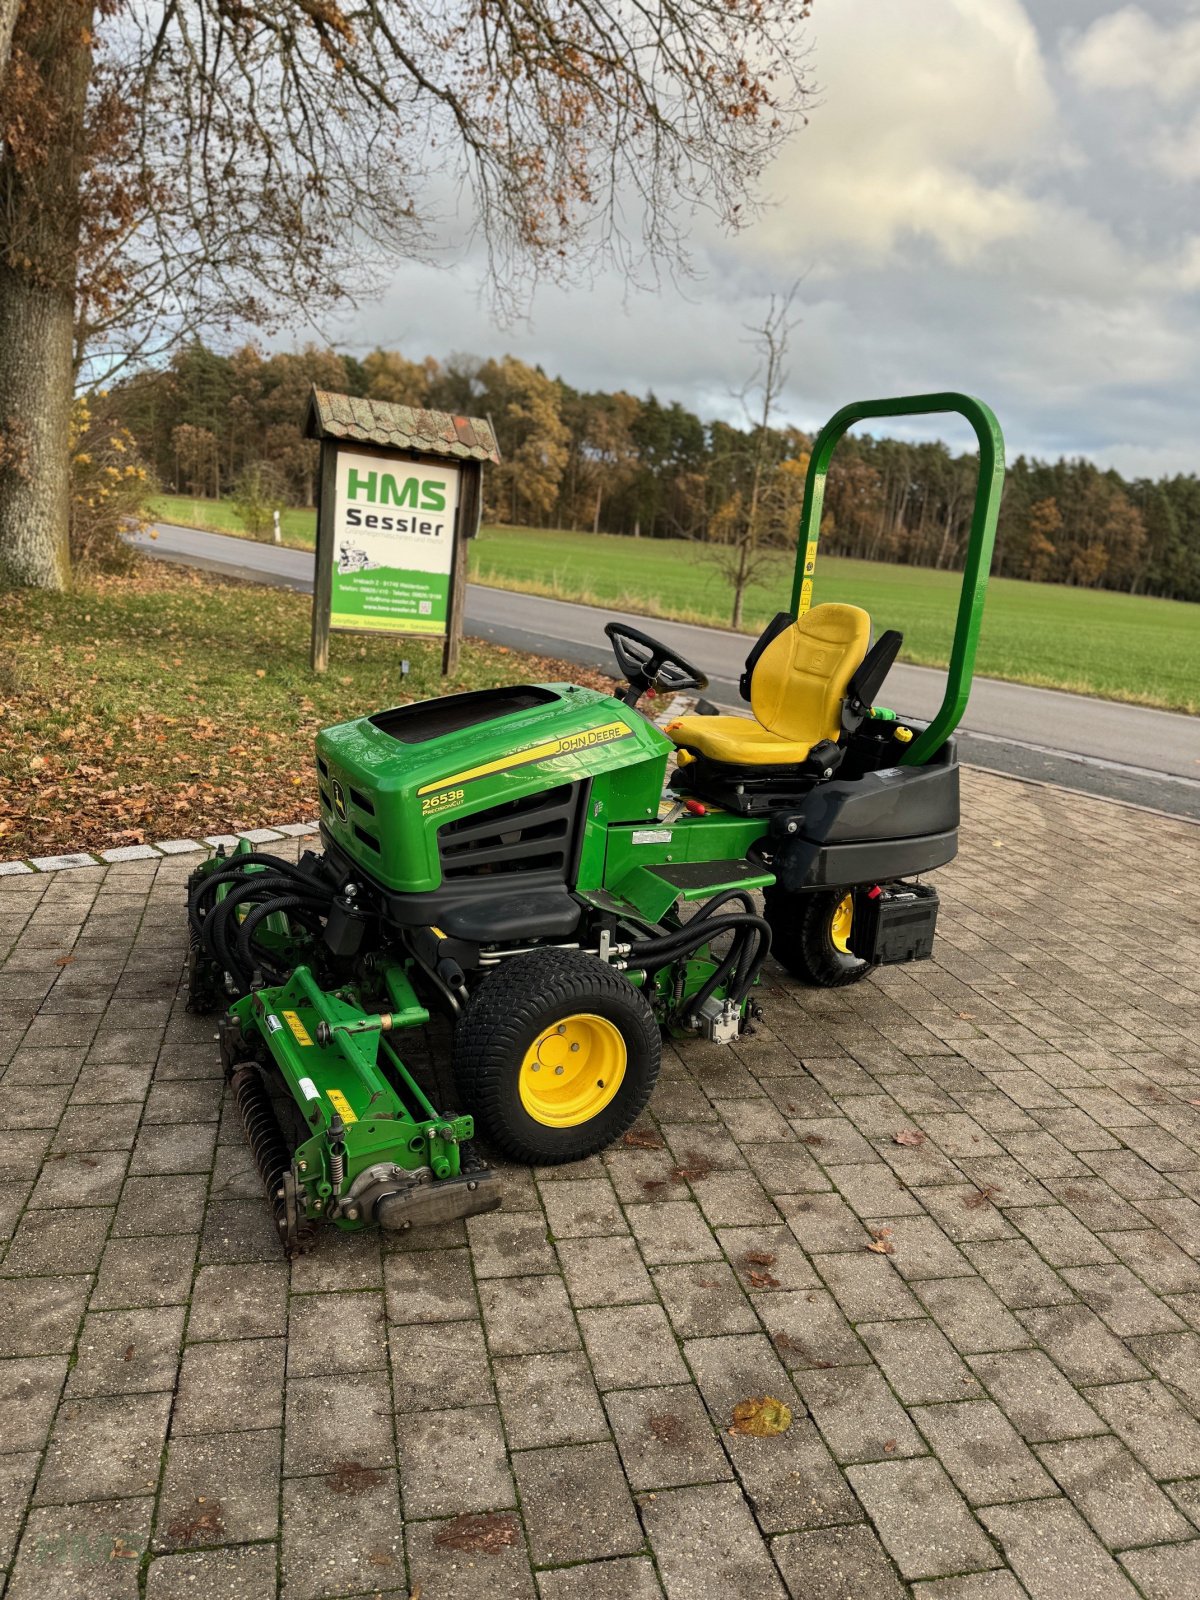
400,493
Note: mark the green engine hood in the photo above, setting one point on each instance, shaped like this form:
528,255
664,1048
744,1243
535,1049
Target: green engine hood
388,782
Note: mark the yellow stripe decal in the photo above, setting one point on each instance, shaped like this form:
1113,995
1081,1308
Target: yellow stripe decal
568,745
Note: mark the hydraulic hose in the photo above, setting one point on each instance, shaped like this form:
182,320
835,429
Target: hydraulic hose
256,887
276,885
742,896
654,953
744,959
288,904
209,885
749,958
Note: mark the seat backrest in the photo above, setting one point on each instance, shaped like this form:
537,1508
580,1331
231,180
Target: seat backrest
799,681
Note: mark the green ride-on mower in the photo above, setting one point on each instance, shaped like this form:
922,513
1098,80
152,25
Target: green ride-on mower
513,902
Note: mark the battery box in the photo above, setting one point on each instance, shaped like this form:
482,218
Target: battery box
895,922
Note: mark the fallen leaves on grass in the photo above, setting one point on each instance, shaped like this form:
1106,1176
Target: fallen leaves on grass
482,1534
761,1417
881,1242
910,1136
184,731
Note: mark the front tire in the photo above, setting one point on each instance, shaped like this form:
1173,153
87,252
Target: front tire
555,1056
809,934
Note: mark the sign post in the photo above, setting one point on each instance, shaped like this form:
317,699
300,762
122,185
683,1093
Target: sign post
400,495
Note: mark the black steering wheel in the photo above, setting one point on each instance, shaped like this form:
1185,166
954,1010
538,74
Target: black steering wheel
648,665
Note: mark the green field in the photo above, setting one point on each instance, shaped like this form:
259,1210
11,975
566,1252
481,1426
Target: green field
297,525
1091,641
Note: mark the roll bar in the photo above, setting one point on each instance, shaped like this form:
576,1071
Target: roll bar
979,546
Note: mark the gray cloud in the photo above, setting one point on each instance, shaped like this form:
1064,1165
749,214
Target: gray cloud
990,196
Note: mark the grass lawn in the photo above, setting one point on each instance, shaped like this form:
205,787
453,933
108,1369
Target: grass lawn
171,704
1091,641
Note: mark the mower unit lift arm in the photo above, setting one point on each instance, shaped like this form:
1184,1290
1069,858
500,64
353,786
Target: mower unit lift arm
979,546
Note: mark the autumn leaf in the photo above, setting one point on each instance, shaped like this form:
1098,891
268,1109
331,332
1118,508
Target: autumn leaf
910,1136
763,1280
643,1139
687,1174
881,1242
982,1196
761,1417
481,1534
758,1258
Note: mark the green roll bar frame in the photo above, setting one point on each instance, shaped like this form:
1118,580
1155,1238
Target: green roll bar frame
978,563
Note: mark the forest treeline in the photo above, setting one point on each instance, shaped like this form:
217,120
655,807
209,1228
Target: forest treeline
620,463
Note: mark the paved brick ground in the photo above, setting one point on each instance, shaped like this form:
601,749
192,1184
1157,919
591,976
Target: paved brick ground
1008,1404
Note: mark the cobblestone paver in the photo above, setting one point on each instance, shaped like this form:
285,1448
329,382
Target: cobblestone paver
536,1405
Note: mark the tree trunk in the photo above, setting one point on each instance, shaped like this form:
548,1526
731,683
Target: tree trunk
8,19
36,355
39,253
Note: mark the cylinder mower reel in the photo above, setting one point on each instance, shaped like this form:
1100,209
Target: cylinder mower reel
521,890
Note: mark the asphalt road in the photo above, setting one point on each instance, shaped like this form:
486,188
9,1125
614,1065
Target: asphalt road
1131,753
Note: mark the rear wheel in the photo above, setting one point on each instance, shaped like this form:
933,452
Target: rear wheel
555,1055
810,936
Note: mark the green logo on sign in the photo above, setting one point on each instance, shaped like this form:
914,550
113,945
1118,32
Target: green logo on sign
381,488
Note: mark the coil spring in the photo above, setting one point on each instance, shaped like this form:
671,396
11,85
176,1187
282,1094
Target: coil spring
337,1168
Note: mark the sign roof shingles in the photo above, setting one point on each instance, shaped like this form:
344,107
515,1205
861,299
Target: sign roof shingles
382,422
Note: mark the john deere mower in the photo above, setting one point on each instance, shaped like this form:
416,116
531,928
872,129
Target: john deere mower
521,889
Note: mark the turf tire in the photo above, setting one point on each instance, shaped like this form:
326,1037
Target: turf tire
802,941
507,1012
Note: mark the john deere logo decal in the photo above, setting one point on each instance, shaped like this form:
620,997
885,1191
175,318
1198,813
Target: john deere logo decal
339,800
567,745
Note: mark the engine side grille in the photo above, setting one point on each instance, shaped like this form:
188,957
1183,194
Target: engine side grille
533,834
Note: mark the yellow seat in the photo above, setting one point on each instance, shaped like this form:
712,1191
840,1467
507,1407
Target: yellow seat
796,693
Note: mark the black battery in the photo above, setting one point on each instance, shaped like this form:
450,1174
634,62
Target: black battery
895,922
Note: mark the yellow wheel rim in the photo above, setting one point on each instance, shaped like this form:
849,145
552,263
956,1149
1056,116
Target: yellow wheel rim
839,927
572,1070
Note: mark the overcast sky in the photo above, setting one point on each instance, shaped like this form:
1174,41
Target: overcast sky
990,195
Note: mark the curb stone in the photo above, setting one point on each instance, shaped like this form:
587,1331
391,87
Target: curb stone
151,852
